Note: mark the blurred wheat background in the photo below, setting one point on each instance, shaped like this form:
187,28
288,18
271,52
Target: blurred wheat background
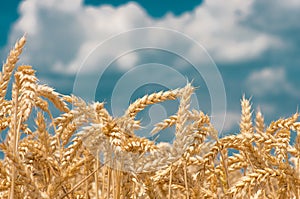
59,157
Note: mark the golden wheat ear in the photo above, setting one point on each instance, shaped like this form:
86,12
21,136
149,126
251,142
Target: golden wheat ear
9,65
246,125
142,103
55,97
5,76
27,83
259,122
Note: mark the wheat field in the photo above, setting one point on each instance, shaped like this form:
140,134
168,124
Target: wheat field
59,157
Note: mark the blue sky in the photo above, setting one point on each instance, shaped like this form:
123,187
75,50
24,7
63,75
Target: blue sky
255,46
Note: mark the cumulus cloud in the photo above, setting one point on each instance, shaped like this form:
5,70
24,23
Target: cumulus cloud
231,122
127,61
275,16
63,32
270,80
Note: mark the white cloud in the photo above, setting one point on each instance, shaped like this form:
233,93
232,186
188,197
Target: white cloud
267,109
231,120
127,61
270,80
61,33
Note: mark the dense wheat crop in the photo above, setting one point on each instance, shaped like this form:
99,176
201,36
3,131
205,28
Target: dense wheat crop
59,157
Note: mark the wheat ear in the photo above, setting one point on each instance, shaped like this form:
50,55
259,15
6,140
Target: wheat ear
9,66
141,103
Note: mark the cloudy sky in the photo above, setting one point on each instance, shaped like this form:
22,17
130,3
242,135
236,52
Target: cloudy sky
116,52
